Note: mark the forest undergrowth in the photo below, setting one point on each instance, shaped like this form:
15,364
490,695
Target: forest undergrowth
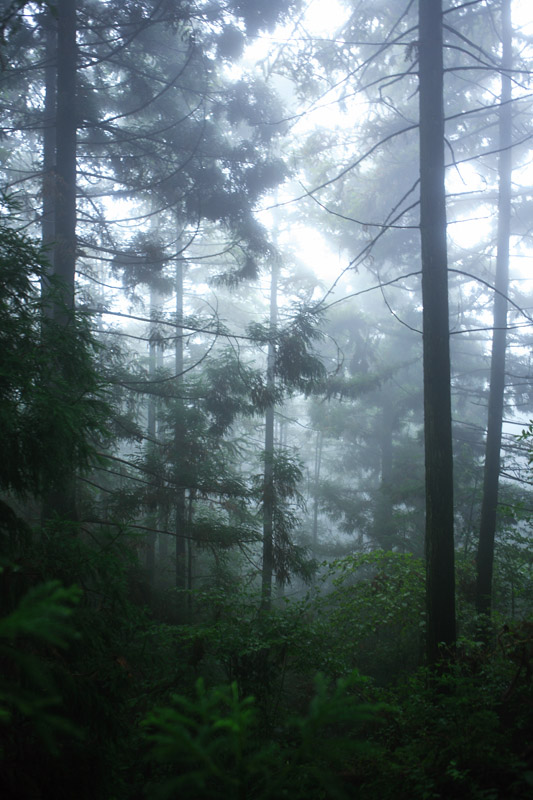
175,622
108,695
113,688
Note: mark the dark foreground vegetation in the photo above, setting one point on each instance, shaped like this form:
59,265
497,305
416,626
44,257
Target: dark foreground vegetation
115,688
107,693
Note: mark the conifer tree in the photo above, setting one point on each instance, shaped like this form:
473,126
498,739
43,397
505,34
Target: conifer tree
440,577
487,531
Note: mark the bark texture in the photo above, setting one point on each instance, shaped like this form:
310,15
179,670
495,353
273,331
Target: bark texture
489,504
49,132
183,569
440,591
267,568
64,253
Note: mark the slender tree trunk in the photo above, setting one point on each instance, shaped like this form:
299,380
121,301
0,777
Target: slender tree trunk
49,133
152,428
268,478
64,253
52,501
316,486
59,223
163,543
383,519
162,538
487,531
190,555
180,528
440,591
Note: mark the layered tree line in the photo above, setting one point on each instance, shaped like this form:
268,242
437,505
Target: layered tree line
265,522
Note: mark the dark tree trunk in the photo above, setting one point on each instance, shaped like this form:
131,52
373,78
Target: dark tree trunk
64,253
162,522
49,132
489,504
316,487
383,518
181,549
268,479
152,432
440,591
190,556
59,204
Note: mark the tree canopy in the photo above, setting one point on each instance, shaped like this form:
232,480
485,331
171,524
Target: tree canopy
265,399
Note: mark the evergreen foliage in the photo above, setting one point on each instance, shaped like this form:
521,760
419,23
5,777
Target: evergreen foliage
139,658
52,404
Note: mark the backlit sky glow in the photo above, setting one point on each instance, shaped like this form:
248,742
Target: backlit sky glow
322,20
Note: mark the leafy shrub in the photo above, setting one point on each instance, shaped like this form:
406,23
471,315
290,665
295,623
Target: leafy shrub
32,712
51,399
211,746
42,618
370,612
453,735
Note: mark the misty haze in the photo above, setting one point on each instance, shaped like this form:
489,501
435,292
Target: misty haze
266,400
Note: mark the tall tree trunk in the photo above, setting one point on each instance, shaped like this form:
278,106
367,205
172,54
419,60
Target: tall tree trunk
49,132
316,487
180,527
268,478
64,253
383,517
152,428
190,555
162,520
489,504
60,198
440,590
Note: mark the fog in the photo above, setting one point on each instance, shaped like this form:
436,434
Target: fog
282,253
